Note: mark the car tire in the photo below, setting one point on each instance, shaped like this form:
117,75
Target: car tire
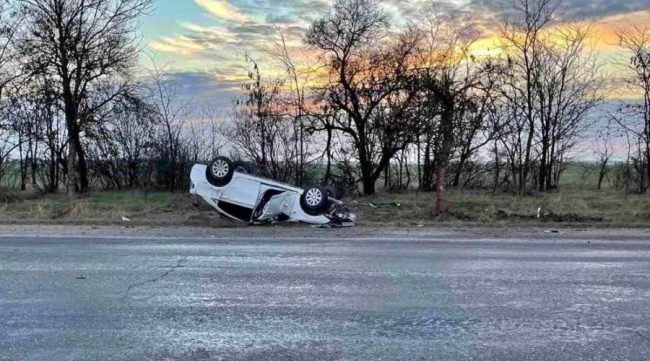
220,171
314,200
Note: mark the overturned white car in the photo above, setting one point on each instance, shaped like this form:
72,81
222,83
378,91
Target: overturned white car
237,194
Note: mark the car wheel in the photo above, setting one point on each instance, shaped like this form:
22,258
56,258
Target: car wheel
314,200
220,171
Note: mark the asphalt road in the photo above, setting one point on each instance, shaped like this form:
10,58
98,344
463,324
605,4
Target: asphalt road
318,299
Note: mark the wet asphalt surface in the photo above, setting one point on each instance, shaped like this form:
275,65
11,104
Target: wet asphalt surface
319,299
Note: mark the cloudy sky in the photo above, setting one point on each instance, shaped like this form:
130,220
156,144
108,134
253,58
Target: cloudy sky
203,42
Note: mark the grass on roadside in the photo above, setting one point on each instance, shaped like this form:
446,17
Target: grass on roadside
409,209
575,206
104,205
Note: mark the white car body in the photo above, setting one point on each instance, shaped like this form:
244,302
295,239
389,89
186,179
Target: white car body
265,199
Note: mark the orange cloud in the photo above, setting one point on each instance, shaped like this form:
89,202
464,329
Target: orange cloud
607,28
603,37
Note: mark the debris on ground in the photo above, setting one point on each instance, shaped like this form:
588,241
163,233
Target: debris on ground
389,204
546,216
344,224
568,217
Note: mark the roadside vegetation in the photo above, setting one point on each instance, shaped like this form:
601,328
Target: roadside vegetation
389,115
579,202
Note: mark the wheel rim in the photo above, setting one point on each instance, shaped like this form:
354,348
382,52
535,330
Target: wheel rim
313,197
220,168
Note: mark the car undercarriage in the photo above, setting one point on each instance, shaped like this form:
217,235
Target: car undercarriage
235,193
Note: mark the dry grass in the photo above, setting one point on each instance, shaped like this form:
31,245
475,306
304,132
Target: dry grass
574,206
606,207
107,208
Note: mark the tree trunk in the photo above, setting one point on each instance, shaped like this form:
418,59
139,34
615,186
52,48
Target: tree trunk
82,166
368,186
552,162
53,180
444,152
387,184
71,186
428,169
84,184
23,166
459,170
77,178
440,178
601,175
543,171
368,178
523,180
419,163
400,172
647,161
408,172
328,150
34,170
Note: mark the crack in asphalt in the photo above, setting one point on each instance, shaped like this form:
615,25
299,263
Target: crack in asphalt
178,265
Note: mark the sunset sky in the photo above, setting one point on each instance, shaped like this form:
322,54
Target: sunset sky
203,42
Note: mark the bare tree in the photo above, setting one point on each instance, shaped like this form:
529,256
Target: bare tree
550,87
604,154
171,113
7,146
263,131
205,137
635,116
123,144
79,43
10,23
456,90
43,130
523,44
478,126
367,88
9,72
566,87
25,121
298,77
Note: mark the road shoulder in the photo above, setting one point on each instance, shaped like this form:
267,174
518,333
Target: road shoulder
309,232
